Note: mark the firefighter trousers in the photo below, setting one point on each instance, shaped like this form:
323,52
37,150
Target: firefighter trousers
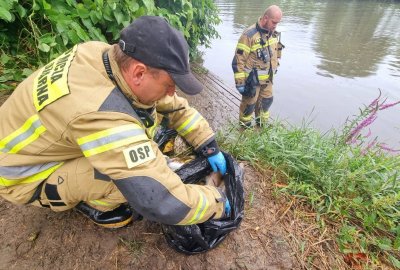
258,105
76,181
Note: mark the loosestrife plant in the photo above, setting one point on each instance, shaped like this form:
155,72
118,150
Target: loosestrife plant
354,128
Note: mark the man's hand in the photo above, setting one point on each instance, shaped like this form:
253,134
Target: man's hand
214,157
227,212
218,163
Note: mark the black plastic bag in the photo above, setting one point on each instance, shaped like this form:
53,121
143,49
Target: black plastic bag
164,135
251,84
198,238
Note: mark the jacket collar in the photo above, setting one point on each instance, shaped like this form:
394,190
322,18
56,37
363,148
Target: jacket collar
122,83
261,29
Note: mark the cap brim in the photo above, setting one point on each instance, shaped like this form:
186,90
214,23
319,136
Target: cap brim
187,83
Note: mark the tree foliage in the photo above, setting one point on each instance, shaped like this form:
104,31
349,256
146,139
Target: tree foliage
34,32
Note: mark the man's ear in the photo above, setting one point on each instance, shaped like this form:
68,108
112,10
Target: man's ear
136,73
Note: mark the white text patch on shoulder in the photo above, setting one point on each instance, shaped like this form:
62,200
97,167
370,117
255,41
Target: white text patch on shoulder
138,154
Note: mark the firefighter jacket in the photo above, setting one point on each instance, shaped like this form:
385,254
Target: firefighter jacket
257,48
70,108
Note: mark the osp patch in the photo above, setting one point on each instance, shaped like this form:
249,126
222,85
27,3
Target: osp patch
139,154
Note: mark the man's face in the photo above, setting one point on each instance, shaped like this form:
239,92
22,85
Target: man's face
270,23
155,86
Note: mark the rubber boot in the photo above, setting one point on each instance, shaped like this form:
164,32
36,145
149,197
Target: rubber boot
117,218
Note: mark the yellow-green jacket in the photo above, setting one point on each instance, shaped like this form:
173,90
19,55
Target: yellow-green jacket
70,108
248,54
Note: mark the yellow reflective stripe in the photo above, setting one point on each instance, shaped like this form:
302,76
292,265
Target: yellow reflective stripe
112,138
99,202
29,132
269,42
245,118
106,132
152,130
240,75
264,115
202,207
255,47
272,41
263,77
243,47
30,179
189,124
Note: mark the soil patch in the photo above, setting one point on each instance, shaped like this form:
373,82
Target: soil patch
276,233
34,238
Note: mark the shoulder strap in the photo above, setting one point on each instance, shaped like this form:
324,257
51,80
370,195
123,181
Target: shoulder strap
144,116
107,66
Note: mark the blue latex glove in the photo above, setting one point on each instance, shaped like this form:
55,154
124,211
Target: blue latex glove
227,208
240,88
218,163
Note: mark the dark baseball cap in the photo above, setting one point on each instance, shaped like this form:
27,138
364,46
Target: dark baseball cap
152,41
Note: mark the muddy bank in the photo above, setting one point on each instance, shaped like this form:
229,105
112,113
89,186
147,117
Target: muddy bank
34,238
273,235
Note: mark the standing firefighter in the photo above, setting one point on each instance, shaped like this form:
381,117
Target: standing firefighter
78,132
255,64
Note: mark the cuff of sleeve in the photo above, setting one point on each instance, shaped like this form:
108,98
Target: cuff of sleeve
211,149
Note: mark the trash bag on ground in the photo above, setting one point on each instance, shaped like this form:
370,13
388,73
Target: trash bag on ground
198,238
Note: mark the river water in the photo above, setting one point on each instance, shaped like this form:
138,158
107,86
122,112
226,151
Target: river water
338,55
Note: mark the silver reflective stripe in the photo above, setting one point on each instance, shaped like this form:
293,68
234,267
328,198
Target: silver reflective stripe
262,72
247,70
190,124
111,138
29,132
18,172
200,209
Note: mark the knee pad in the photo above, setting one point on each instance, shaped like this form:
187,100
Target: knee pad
249,109
266,103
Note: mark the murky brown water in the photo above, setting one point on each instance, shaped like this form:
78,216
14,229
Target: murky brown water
338,54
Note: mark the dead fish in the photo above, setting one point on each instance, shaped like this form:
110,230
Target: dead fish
215,179
174,164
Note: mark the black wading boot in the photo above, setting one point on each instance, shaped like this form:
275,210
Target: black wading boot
117,218
245,125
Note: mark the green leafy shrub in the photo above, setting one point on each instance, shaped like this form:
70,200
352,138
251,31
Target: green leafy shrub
34,32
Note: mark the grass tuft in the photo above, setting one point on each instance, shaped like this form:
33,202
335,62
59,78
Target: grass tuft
352,185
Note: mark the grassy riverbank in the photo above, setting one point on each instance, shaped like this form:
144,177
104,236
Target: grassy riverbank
348,182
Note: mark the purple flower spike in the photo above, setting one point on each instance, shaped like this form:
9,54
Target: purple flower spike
366,122
368,134
369,146
383,107
384,146
375,101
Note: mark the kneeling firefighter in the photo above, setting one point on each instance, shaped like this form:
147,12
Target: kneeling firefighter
78,132
255,64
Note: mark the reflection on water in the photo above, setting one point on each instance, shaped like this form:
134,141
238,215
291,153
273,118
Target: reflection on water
394,63
338,54
348,41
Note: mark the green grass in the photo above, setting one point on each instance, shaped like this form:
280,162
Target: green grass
353,186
